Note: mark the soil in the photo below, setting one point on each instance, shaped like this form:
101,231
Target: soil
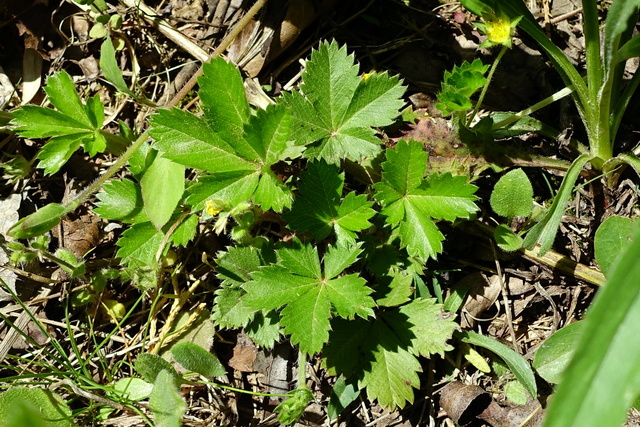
516,300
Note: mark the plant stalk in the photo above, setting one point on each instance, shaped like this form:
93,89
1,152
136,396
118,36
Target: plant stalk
492,70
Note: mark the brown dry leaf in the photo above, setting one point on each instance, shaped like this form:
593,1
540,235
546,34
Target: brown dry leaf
468,403
81,232
244,354
483,293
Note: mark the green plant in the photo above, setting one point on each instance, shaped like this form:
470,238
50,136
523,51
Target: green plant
344,284
601,97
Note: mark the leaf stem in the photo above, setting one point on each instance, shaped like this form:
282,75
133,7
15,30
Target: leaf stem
486,86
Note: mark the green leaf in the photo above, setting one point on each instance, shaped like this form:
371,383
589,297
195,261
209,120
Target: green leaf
134,389
554,354
516,363
506,239
397,291
110,67
337,109
292,408
240,164
459,84
166,402
223,98
342,395
410,203
194,142
544,232
264,329
139,244
149,366
62,93
512,195
381,354
234,269
38,222
72,123
162,187
58,151
39,407
194,358
612,236
603,377
620,16
318,209
119,200
308,296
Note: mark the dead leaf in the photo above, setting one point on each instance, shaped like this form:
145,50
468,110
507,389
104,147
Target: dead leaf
483,293
468,403
244,354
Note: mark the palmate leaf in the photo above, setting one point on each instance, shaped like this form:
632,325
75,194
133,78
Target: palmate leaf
382,354
72,124
336,109
308,296
236,149
318,208
411,203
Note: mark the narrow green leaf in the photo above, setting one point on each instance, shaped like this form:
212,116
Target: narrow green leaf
544,232
603,378
629,50
38,122
194,358
620,16
516,363
162,186
110,68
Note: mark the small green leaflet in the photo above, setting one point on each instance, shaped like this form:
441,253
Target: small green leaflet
121,200
70,126
230,311
411,203
236,148
318,208
336,109
309,295
382,354
140,243
459,84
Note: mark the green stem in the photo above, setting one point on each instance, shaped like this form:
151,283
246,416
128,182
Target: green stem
486,86
535,107
302,369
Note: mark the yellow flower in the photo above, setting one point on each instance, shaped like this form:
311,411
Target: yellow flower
498,28
212,208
